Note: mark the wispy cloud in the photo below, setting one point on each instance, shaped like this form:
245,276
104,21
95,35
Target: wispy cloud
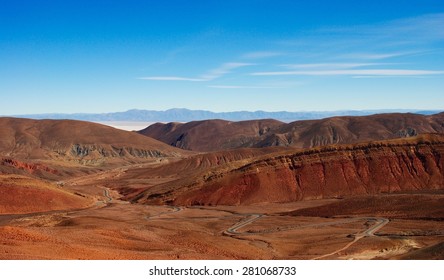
424,28
171,78
209,76
223,70
354,72
404,37
263,54
373,77
242,87
330,65
363,51
377,56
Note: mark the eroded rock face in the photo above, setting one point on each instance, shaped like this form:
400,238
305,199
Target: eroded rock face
325,173
80,151
26,166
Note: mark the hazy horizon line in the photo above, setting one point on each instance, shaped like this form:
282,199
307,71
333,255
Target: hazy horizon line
392,110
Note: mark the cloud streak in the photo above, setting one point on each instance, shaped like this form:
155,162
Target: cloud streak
353,72
259,55
362,51
223,70
400,38
241,87
330,65
377,56
422,28
171,78
213,74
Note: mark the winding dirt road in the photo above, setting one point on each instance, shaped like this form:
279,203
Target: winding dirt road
380,222
106,194
369,232
250,218
245,220
174,210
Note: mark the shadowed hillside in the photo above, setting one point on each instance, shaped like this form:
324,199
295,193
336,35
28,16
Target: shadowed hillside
210,135
213,135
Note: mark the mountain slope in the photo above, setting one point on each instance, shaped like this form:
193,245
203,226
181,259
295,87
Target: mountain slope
411,164
213,135
344,130
20,194
79,141
210,135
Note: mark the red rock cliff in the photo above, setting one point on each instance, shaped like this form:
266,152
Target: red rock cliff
334,171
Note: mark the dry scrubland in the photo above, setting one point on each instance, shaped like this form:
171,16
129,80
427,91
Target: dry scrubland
338,188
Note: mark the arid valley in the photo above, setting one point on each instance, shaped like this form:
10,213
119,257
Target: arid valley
368,187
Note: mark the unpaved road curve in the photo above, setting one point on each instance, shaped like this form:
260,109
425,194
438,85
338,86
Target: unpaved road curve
106,194
380,222
174,210
250,218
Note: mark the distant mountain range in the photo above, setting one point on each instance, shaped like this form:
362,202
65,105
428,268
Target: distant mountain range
186,115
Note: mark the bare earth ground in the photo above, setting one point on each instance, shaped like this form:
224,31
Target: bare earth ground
64,201
114,229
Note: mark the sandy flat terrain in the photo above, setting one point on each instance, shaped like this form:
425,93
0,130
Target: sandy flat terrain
118,230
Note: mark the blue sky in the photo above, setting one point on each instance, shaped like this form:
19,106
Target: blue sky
77,56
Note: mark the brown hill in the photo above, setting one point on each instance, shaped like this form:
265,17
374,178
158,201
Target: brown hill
346,130
210,135
409,164
213,135
20,195
85,142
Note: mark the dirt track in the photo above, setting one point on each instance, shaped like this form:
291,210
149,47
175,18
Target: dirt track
116,229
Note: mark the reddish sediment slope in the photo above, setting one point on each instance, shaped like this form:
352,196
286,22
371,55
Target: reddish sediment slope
399,165
167,175
20,195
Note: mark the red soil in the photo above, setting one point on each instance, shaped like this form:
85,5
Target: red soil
20,195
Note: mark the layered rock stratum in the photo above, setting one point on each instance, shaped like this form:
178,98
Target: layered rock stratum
400,165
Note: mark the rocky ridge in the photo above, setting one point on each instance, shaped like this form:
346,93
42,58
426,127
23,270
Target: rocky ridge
328,172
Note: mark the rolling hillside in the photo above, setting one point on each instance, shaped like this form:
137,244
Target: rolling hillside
214,135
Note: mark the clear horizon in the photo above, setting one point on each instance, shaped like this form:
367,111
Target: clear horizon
82,57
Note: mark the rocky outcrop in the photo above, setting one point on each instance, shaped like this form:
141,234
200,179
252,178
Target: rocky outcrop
84,142
329,172
80,151
26,166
